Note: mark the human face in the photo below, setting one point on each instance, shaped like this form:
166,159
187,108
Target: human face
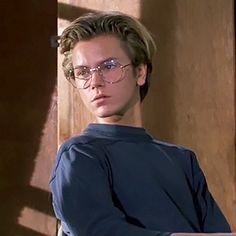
104,99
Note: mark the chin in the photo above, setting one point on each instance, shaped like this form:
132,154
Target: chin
103,113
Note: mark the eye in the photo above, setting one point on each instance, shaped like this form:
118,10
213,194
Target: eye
109,65
82,73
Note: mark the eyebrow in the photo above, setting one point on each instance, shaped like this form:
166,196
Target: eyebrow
99,63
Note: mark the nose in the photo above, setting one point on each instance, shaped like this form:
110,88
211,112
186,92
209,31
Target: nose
96,79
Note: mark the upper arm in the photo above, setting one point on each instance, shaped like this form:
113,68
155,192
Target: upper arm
80,188
210,215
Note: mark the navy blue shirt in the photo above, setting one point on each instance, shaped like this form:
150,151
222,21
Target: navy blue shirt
118,180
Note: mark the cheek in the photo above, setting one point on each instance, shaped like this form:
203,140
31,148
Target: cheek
128,90
130,85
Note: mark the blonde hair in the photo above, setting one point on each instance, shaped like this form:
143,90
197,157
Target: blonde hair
135,37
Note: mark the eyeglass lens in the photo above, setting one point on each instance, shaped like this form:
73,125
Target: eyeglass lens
109,71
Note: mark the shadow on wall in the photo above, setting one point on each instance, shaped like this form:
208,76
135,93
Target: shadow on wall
159,16
70,13
28,79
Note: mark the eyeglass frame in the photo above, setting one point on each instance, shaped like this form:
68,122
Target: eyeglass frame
100,72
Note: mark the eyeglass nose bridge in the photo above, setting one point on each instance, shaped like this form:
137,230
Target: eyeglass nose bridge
90,81
98,69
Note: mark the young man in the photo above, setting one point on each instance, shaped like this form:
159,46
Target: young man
115,179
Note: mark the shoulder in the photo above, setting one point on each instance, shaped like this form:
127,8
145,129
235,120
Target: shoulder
178,150
182,156
82,143
79,152
80,140
187,160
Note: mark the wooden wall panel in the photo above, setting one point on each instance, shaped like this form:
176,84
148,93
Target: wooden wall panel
193,89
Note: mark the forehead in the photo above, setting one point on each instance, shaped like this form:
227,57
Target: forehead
96,50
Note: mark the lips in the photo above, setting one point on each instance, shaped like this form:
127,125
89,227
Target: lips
99,97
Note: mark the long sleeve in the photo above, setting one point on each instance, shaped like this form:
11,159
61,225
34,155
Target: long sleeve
211,217
82,196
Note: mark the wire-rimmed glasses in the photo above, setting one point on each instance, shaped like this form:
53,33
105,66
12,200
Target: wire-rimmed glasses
110,71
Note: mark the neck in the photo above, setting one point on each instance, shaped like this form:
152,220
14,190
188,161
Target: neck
132,117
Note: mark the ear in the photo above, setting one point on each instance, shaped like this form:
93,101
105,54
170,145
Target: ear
141,73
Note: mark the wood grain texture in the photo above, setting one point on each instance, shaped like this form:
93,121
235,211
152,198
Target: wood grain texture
193,88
